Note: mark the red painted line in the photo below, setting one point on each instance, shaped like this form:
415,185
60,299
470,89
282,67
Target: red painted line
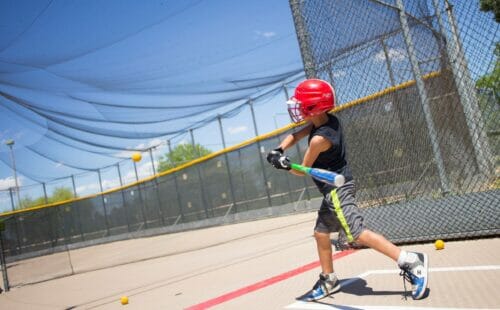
257,286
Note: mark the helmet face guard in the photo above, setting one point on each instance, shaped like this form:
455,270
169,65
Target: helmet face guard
312,97
294,110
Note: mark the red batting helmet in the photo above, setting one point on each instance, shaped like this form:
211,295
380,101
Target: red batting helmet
312,97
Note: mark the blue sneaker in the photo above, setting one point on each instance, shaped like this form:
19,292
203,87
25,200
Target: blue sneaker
323,287
416,273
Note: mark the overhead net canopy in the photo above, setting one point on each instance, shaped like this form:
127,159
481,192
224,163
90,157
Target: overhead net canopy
86,80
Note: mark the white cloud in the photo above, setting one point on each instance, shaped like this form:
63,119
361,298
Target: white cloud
237,129
93,188
266,34
155,142
9,182
395,54
90,188
339,74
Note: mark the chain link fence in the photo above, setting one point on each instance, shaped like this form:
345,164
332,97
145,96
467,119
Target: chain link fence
423,143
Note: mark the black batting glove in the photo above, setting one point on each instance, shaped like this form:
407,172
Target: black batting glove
274,155
284,163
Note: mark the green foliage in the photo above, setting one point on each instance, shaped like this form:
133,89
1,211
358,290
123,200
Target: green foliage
59,194
491,6
182,153
491,81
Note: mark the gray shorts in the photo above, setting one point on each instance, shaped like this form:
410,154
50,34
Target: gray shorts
339,212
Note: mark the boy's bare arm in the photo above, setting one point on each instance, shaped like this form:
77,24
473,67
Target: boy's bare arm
295,137
317,145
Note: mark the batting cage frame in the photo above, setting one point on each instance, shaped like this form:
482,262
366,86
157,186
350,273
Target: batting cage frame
422,138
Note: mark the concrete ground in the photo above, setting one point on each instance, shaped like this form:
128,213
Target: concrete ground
262,264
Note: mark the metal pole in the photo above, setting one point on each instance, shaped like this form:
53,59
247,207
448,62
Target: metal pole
160,212
74,185
103,202
82,235
18,237
10,144
152,160
123,196
176,184
266,182
46,199
466,90
303,39
398,100
3,264
423,98
226,158
48,210
388,62
143,212
202,187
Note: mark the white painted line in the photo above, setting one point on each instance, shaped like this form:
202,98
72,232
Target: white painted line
317,306
312,305
437,269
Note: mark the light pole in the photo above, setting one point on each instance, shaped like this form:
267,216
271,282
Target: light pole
10,144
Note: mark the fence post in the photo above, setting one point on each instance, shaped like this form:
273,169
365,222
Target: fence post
46,199
48,210
176,184
103,202
123,196
198,170
3,263
466,90
160,212
259,151
142,206
74,185
226,158
423,98
82,235
303,38
18,237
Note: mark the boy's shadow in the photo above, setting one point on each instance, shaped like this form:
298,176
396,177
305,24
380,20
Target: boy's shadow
357,286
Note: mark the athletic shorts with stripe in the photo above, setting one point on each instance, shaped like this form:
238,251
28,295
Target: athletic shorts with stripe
339,213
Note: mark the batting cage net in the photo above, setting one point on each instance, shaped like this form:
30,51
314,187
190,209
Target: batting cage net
418,95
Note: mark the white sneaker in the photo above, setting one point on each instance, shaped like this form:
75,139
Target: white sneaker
416,273
323,287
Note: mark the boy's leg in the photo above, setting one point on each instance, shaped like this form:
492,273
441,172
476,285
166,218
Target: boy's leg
379,243
414,265
328,282
324,246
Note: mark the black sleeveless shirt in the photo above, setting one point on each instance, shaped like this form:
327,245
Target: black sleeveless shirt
335,158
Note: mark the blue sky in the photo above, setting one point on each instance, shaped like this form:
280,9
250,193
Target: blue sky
83,82
62,59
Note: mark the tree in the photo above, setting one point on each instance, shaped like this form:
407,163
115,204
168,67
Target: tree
182,153
491,6
491,81
61,194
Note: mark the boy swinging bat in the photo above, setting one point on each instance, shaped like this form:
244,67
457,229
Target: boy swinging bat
312,101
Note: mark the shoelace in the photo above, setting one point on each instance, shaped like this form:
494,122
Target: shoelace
324,286
407,276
